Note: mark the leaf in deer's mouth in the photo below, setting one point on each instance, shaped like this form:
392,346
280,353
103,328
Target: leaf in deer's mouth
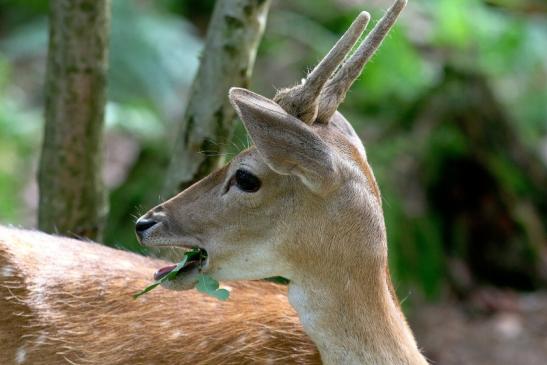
210,286
192,259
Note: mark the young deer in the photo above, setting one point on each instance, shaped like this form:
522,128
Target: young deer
302,203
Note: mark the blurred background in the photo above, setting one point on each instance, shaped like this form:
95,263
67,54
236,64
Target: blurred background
452,111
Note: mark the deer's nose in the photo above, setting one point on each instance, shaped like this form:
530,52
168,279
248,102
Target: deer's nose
143,224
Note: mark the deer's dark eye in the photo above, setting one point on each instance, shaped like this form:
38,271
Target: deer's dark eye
246,181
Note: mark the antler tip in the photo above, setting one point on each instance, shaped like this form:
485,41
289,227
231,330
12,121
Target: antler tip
234,89
363,17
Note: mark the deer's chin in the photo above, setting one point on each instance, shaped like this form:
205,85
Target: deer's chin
183,281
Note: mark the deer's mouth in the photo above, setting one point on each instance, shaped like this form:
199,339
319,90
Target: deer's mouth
194,263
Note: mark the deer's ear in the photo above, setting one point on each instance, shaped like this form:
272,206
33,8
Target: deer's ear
288,145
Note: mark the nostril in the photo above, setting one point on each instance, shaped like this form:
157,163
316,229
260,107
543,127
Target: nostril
143,224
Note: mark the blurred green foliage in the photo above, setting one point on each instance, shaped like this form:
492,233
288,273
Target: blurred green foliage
155,52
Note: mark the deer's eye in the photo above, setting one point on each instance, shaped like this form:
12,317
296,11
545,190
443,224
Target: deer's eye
246,181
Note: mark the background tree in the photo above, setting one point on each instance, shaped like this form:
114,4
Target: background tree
234,33
72,199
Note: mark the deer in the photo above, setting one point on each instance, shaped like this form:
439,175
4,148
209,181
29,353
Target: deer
301,202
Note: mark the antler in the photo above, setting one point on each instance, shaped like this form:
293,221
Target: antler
318,97
335,90
302,100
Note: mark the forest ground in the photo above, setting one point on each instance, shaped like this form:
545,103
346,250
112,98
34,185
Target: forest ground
492,328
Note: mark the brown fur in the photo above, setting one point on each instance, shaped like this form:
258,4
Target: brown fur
316,219
67,301
365,168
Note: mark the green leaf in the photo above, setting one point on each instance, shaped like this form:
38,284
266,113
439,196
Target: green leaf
172,274
147,289
206,284
278,280
221,294
210,286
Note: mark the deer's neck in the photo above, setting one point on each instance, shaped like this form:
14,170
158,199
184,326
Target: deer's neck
353,318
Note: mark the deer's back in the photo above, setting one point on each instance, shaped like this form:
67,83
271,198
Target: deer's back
63,301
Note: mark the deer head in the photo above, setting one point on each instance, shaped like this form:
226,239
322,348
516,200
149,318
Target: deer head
280,207
301,203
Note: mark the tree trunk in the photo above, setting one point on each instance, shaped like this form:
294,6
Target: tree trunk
72,198
233,36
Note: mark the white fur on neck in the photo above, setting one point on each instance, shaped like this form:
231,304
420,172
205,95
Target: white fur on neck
385,340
